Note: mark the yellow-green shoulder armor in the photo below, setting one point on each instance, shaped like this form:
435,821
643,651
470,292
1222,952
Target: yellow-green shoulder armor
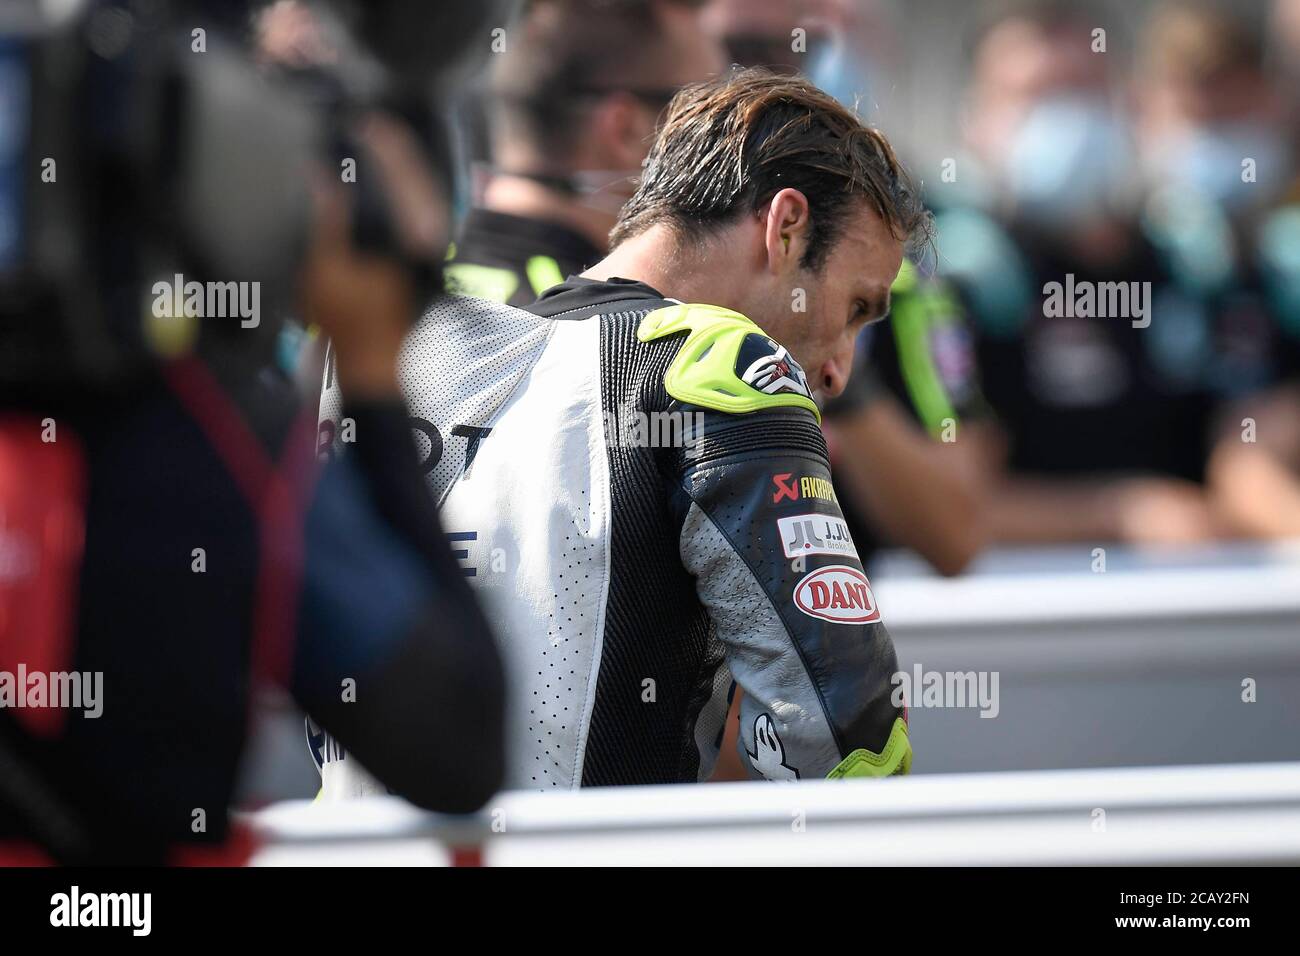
727,362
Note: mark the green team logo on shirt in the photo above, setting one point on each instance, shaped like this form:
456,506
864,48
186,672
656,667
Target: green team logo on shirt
499,285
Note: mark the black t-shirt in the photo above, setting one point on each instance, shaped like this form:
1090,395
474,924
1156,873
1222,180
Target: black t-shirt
1080,392
514,259
1095,394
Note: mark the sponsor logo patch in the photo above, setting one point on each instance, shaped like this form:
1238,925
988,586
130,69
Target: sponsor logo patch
768,755
837,593
805,486
785,488
815,534
764,365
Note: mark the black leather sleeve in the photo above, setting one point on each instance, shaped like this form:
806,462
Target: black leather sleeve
774,564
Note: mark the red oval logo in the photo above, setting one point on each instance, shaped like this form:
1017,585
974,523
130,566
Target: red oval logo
837,593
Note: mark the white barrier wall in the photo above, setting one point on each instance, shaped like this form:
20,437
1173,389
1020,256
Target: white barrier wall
1152,661
1248,814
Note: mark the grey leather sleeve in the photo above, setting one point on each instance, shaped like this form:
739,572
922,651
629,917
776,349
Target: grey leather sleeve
775,566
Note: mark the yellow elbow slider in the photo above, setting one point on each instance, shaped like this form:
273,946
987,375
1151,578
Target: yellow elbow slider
895,758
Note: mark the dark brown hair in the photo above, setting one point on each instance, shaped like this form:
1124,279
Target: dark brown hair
564,55
729,145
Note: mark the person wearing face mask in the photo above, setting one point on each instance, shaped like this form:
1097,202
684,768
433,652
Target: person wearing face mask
1102,409
1216,148
1210,111
571,107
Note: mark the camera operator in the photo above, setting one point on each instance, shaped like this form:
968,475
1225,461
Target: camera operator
165,538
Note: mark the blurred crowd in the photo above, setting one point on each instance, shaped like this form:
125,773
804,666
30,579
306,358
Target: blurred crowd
1103,345
1171,170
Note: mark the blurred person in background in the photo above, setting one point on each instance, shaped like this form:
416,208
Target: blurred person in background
638,576
1220,159
168,543
1208,109
907,438
1284,60
1105,409
766,34
572,105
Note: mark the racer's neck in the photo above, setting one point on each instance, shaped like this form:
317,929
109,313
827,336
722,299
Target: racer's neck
710,273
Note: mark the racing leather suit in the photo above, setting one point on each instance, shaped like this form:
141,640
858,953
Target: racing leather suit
638,491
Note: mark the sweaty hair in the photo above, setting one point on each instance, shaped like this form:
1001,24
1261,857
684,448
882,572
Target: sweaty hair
728,146
565,54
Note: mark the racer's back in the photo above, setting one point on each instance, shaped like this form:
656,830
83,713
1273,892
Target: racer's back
633,548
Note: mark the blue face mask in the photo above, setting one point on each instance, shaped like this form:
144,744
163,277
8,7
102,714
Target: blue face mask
1070,157
1209,160
837,71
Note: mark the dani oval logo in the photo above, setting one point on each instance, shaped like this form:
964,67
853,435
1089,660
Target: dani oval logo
837,593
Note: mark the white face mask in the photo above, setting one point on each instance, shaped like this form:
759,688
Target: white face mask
844,74
1069,157
1236,164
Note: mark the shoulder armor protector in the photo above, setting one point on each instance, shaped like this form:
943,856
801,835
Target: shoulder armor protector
727,363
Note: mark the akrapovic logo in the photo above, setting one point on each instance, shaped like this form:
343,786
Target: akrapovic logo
803,487
837,593
815,534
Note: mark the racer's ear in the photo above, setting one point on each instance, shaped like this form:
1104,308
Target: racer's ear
787,231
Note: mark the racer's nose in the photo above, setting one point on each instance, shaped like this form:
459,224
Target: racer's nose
835,372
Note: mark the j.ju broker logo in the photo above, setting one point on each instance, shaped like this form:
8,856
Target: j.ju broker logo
837,593
815,534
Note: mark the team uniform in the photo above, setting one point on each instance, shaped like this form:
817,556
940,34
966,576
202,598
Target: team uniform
514,259
1090,394
640,495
